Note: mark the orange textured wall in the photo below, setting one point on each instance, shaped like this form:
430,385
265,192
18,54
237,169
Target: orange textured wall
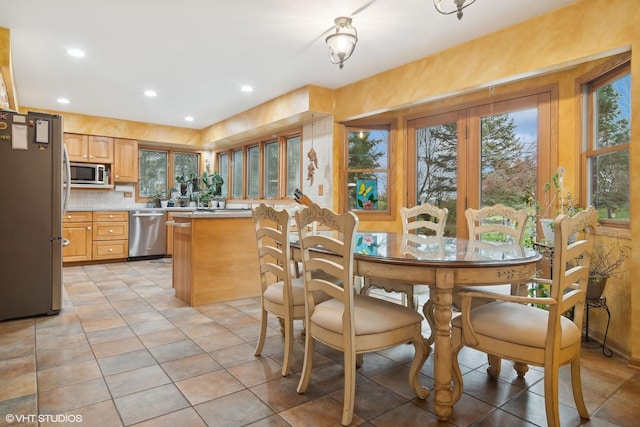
103,126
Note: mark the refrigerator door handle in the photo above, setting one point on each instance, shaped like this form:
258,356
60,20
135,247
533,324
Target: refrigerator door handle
67,178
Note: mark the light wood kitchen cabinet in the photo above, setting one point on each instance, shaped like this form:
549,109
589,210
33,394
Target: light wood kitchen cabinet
95,236
170,217
213,259
125,165
110,235
77,229
89,148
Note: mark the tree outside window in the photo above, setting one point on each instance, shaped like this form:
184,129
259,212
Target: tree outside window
185,165
608,146
223,170
368,169
153,167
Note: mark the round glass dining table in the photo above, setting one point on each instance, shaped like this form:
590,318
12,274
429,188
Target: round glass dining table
443,263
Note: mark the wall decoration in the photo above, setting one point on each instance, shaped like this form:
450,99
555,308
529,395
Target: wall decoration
313,158
367,195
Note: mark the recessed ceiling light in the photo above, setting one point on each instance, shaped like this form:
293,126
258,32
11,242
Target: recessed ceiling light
150,93
246,88
63,100
189,118
78,53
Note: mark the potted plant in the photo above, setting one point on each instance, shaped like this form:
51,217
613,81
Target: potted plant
184,184
155,198
213,183
607,260
554,196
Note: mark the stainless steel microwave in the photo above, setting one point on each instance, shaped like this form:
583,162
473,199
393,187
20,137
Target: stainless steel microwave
88,173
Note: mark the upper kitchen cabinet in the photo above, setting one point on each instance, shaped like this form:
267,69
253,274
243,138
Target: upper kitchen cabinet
125,166
89,148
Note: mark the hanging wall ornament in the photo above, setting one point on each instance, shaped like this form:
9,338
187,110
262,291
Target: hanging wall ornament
313,158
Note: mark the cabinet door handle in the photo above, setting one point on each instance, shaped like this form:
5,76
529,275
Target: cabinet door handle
179,224
110,249
110,231
89,228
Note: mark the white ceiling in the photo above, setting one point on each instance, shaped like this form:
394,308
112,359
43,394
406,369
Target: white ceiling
196,54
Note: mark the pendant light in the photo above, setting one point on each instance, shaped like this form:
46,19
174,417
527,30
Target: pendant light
447,7
342,42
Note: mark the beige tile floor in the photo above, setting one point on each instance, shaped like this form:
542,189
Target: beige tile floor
124,351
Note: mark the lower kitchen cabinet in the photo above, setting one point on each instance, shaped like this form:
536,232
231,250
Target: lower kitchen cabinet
170,217
77,229
110,235
95,236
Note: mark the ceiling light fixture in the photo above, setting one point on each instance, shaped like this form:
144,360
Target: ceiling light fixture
343,42
246,88
78,53
189,118
150,93
63,100
447,9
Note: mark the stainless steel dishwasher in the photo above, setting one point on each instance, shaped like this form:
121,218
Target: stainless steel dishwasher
147,233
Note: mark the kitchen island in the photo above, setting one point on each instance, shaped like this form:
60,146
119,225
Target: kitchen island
214,256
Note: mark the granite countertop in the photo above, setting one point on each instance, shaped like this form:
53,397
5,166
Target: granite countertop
118,209
215,213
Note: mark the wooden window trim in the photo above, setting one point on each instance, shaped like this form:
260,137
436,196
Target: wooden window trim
343,202
281,139
586,85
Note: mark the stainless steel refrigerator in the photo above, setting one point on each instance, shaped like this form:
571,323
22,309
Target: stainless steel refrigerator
31,182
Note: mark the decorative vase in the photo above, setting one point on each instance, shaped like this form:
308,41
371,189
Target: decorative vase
595,287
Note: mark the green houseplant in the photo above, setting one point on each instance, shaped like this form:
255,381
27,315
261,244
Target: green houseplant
212,186
155,198
554,197
213,183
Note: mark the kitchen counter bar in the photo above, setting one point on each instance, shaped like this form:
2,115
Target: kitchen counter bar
214,256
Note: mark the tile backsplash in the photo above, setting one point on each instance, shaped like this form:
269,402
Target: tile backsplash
89,199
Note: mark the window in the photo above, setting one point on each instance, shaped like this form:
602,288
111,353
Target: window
186,165
271,170
253,171
367,169
236,177
483,155
223,170
268,169
153,166
608,112
293,165
159,169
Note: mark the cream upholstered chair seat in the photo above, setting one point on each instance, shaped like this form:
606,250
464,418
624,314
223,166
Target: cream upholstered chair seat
348,322
275,293
515,328
522,325
369,312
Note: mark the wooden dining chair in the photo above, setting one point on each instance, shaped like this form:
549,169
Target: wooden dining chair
513,327
417,222
500,222
348,322
282,295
